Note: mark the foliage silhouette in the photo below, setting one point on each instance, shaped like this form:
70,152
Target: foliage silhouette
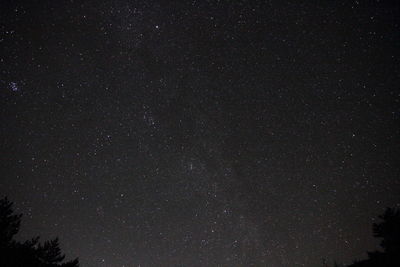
31,252
389,231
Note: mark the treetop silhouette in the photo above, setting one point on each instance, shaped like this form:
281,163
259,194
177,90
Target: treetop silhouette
389,231
31,252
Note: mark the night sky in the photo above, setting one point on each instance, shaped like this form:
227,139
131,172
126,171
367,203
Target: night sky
201,133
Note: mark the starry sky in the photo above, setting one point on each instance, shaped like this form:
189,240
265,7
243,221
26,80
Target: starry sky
201,133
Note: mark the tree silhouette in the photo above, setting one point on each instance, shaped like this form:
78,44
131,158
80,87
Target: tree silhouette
31,252
389,231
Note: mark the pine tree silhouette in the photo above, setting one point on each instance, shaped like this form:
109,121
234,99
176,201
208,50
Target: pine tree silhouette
31,252
389,231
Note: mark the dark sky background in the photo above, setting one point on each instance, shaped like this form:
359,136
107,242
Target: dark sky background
201,133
